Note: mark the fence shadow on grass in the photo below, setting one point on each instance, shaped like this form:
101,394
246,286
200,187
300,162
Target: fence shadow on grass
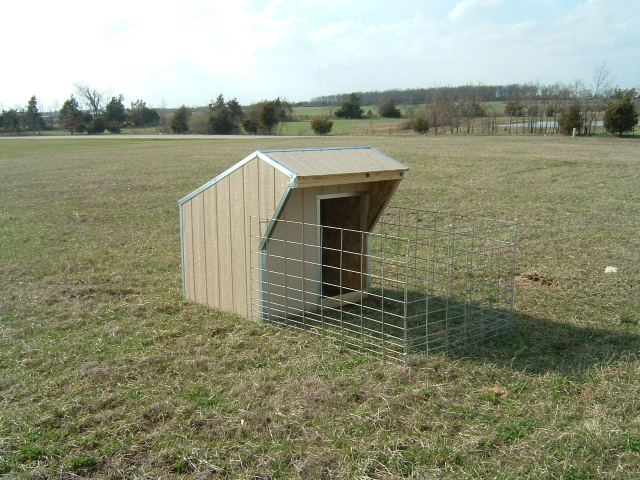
539,346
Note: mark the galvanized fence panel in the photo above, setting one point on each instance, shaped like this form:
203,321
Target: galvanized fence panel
422,282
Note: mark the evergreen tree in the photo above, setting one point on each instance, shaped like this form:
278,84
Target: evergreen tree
96,125
389,109
225,117
32,117
10,121
142,116
180,120
621,115
115,111
269,117
570,118
70,115
350,108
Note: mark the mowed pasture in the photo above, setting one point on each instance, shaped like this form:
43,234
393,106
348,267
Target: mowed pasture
106,372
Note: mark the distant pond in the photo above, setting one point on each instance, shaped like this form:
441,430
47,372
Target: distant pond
543,124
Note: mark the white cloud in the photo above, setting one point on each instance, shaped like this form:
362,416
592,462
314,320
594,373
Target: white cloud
465,7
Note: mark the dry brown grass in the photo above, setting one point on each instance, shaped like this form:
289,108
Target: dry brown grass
107,372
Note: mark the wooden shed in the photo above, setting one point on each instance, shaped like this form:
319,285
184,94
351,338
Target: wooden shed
228,222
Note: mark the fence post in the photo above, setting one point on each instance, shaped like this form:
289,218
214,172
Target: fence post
406,301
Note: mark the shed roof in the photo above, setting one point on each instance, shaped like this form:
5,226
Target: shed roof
334,161
308,167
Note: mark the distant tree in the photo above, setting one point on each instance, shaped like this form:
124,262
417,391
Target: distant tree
90,96
115,110
32,117
269,117
448,114
139,115
514,107
70,115
621,115
220,119
250,125
596,99
220,123
284,110
264,117
471,109
570,118
235,109
225,117
114,127
321,125
180,120
350,108
96,125
420,124
10,121
389,109
550,111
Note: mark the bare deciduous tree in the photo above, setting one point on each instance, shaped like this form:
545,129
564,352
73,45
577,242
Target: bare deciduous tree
597,102
90,96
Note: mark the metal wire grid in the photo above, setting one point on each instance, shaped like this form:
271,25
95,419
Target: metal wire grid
425,282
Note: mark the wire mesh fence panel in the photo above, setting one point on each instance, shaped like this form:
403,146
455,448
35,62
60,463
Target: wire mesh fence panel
420,283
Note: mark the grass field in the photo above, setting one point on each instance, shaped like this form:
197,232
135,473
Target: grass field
106,372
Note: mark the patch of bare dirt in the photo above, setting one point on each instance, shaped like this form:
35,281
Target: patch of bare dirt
533,280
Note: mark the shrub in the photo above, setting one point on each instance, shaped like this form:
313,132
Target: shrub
514,108
569,119
114,127
180,120
621,115
420,124
96,125
321,125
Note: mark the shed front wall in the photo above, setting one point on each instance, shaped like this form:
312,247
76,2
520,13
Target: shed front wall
216,245
290,271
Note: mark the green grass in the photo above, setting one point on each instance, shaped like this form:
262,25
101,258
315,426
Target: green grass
105,371
363,126
307,113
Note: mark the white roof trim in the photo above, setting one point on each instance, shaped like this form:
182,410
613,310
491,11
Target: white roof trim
235,167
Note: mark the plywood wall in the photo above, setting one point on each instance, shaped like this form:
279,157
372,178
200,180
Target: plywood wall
220,245
215,235
292,270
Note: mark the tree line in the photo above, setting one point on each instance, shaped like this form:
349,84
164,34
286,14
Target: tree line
89,110
228,117
530,108
85,111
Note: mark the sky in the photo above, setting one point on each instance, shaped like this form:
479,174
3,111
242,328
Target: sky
189,51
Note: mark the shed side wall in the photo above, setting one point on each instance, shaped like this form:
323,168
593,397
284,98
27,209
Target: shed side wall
213,258
215,234
199,250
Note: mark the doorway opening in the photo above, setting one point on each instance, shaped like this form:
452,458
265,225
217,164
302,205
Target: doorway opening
343,243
